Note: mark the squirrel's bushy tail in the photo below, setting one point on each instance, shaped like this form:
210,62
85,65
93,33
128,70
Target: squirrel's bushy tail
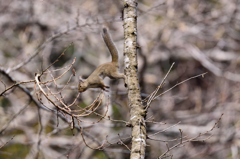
111,47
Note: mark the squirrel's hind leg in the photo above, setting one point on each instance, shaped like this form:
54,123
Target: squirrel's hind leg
103,86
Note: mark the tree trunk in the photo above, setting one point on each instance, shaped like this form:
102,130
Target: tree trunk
137,111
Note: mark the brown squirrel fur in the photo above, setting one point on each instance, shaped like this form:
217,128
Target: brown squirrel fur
110,69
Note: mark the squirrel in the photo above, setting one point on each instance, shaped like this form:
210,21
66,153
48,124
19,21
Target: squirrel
110,69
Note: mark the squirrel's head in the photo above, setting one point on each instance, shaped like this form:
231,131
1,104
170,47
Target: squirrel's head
82,86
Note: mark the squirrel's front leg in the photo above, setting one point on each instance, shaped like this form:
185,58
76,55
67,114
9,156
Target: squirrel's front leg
117,75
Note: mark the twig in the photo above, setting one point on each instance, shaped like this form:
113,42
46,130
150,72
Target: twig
164,129
25,90
181,135
58,59
97,148
105,112
35,53
7,142
123,143
61,74
151,97
191,139
39,133
14,116
14,85
44,93
179,84
208,64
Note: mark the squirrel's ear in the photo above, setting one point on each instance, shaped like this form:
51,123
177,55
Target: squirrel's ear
81,79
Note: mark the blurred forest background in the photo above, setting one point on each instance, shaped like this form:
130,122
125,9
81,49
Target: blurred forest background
198,35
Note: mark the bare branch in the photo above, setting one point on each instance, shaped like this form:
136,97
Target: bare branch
6,142
152,96
180,83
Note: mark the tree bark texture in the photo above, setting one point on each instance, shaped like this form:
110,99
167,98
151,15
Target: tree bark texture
137,111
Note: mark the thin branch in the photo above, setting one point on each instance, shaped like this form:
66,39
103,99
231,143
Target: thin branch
198,55
61,74
179,84
25,90
14,85
7,142
40,132
164,129
36,52
123,143
105,112
44,93
97,148
191,139
57,59
13,117
151,97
